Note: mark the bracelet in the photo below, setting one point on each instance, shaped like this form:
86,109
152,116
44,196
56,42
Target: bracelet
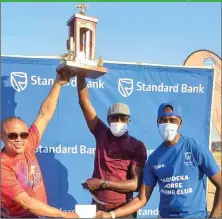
112,214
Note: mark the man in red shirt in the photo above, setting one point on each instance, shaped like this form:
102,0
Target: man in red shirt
22,188
119,159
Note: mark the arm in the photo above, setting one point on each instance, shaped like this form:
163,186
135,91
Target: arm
208,165
137,203
138,161
38,208
136,169
49,105
133,206
149,182
217,209
11,190
85,104
131,185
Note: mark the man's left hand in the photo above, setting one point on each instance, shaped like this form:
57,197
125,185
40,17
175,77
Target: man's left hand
62,78
92,184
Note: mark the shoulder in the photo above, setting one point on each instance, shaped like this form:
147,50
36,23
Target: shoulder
33,128
157,151
6,161
6,169
99,127
192,144
199,151
136,144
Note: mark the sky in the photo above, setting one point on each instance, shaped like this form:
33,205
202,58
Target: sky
157,33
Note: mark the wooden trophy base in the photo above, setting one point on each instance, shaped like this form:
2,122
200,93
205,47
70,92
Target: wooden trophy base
74,69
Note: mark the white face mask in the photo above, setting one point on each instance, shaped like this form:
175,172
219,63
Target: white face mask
168,131
118,128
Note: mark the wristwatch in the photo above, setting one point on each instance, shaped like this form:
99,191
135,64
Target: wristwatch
104,184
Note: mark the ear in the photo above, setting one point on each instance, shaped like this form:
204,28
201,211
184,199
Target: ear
1,137
157,122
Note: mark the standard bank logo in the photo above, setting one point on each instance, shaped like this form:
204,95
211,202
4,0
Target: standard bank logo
125,86
19,80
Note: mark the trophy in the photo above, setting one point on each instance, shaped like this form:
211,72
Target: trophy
81,45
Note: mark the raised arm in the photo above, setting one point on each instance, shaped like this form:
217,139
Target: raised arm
49,105
85,104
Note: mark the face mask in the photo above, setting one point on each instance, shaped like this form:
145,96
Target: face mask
168,131
118,128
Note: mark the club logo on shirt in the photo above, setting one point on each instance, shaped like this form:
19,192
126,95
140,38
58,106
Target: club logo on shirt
188,158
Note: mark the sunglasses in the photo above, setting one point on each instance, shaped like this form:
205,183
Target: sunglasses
14,135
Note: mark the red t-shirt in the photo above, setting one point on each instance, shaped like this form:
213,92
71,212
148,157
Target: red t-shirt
113,159
21,174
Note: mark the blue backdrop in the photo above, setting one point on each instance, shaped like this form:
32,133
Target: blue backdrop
66,152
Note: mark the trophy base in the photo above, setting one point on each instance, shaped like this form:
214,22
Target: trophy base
74,69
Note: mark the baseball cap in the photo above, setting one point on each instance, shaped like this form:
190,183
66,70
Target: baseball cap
176,109
118,108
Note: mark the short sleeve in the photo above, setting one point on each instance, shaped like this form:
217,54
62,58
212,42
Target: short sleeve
99,129
10,186
140,156
33,137
149,177
205,161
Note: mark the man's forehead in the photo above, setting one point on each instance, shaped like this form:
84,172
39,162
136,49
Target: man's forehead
169,117
14,123
119,115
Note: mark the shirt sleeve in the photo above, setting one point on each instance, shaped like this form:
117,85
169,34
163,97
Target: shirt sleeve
33,137
99,129
149,177
140,156
10,186
205,160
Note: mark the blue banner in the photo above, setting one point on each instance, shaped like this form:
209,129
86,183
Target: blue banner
66,151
